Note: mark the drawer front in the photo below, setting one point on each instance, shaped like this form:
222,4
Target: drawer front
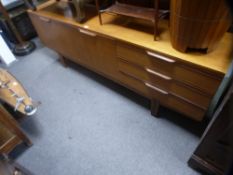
194,77
199,80
190,95
145,74
151,91
166,83
149,59
186,108
164,97
134,83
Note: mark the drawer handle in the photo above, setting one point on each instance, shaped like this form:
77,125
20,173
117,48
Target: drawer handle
160,57
158,74
156,89
87,32
45,19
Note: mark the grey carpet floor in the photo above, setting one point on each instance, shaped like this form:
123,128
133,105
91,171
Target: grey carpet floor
88,125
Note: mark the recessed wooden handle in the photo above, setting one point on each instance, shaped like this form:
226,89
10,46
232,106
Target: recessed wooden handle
155,55
156,89
158,74
45,19
87,32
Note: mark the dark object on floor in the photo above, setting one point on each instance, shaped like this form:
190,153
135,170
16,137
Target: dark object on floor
192,31
12,168
214,154
22,47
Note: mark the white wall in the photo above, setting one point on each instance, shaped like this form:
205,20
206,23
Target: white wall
5,53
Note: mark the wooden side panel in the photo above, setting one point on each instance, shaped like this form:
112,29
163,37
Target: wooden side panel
105,57
10,133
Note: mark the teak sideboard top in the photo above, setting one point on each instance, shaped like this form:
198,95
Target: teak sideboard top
118,28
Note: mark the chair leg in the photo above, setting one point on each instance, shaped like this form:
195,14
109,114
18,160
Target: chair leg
156,20
155,31
100,19
98,11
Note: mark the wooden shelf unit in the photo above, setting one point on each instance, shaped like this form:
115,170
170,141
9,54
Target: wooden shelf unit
11,134
7,139
149,14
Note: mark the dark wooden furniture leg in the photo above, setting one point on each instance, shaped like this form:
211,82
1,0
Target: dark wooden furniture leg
63,60
155,108
156,19
98,11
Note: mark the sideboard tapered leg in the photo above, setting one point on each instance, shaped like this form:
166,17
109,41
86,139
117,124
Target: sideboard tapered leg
155,108
63,60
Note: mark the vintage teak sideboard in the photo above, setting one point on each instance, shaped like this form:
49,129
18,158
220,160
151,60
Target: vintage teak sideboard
124,51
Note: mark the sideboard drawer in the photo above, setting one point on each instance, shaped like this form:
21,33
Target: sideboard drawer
145,74
134,83
185,108
190,95
170,67
146,58
150,90
164,97
197,79
178,89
